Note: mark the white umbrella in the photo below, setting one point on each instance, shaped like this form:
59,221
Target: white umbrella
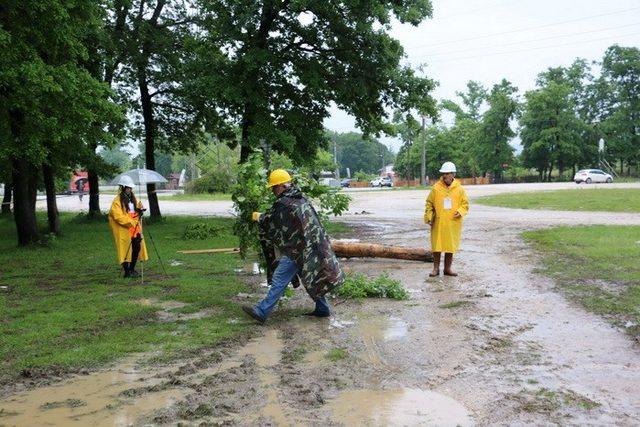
141,177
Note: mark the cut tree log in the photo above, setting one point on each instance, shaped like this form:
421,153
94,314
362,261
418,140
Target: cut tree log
351,250
372,250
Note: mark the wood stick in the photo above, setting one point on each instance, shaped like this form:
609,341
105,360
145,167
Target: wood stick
210,251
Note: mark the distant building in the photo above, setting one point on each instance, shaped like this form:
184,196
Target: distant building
387,171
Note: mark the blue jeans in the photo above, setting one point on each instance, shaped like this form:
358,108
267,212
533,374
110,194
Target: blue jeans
283,275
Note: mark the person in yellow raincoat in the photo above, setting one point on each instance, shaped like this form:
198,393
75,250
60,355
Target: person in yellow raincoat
447,204
126,225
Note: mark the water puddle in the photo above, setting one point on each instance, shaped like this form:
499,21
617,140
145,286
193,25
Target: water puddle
94,400
340,324
383,329
398,408
164,305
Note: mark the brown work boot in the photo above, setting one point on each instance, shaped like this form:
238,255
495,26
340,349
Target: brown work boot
448,260
436,265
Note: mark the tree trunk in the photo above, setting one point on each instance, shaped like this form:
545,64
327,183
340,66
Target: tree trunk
23,207
6,200
94,189
621,167
247,123
149,138
52,205
371,250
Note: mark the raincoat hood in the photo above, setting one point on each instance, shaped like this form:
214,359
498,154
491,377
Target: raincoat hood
293,192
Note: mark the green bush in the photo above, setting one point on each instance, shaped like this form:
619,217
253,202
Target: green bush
363,176
211,182
358,285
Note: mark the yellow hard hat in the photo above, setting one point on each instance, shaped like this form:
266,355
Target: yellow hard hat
278,176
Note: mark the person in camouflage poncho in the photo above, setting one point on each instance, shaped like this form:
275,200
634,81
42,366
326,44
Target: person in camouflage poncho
292,226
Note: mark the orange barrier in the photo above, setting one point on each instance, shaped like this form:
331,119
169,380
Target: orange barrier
354,184
416,182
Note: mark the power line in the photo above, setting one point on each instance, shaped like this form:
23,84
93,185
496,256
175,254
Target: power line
467,12
530,41
529,28
537,48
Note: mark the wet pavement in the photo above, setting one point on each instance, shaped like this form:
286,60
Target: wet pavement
495,345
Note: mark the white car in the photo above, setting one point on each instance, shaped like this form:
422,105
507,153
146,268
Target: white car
592,175
382,181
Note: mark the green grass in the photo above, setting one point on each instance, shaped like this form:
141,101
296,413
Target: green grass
358,285
201,197
336,354
334,228
583,199
596,265
66,307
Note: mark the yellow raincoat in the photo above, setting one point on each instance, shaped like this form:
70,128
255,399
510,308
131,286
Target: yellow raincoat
446,230
122,225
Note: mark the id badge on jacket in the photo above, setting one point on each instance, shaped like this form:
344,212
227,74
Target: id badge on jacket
447,205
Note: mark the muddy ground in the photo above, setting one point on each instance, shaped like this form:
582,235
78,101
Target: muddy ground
495,345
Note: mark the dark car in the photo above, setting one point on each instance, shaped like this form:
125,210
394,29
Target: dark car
346,182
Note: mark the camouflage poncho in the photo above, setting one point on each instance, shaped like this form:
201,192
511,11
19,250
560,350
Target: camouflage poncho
292,225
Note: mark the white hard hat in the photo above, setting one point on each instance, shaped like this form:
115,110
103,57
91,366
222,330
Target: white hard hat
448,167
126,181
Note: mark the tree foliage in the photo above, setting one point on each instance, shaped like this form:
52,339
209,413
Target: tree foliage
273,67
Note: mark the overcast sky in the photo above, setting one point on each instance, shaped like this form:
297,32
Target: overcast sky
487,40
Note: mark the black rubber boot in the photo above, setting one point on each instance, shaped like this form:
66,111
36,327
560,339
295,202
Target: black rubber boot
125,267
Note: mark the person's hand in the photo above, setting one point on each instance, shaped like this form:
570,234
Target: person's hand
457,215
256,216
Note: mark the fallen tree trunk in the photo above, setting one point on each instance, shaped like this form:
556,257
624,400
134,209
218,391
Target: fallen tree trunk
351,250
371,250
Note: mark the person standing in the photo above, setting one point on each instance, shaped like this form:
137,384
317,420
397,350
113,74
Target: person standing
292,226
80,188
446,205
125,220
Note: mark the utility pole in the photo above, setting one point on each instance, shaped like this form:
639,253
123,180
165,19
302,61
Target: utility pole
423,165
335,158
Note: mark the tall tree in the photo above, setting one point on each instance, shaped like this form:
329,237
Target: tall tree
621,67
359,153
43,86
275,66
107,52
169,107
493,150
551,131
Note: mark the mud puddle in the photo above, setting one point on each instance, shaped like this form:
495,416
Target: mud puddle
98,399
401,407
169,310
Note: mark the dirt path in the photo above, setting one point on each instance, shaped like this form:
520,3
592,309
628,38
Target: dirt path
495,345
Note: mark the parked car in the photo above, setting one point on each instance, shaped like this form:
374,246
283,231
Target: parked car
346,182
382,181
592,175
